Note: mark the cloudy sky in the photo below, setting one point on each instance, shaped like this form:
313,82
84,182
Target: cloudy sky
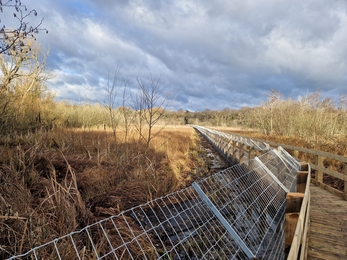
211,53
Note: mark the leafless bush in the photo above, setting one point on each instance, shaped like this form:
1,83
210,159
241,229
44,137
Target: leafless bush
310,117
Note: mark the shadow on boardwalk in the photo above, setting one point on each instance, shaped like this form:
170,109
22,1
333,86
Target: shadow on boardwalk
328,226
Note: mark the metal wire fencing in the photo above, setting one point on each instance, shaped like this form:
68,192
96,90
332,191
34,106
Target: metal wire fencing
237,213
232,147
283,166
276,160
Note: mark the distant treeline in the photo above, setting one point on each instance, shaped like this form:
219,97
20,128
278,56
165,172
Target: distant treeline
308,117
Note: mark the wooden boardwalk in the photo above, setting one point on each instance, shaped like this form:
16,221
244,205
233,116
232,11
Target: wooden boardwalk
328,226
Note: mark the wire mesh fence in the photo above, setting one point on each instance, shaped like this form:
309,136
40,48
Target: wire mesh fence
253,205
222,139
237,213
232,146
283,166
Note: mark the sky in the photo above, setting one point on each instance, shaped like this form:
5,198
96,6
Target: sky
208,54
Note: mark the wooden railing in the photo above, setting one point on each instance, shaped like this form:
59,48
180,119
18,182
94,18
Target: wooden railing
321,164
298,215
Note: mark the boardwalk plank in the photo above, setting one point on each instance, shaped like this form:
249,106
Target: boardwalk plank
323,246
328,222
328,233
323,226
317,255
336,224
328,239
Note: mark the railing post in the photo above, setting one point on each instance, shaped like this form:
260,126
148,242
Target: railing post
296,154
345,178
302,178
230,147
242,153
234,152
293,206
251,153
319,173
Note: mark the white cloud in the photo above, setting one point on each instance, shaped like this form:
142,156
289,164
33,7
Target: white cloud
215,53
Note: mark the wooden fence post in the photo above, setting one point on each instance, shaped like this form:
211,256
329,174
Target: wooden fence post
251,153
319,173
293,206
242,153
345,178
234,152
230,147
296,154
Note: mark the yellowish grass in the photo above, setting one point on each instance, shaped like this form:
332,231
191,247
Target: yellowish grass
65,179
177,143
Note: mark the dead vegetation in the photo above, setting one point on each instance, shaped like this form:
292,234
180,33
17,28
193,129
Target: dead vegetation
52,183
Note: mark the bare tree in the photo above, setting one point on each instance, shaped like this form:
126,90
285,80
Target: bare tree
115,104
112,89
13,40
126,111
151,103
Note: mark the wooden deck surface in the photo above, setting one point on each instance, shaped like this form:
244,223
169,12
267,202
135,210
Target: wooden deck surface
328,226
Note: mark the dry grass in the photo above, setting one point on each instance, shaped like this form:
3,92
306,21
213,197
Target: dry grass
52,183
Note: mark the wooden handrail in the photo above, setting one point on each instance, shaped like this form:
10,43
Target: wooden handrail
297,216
300,149
317,167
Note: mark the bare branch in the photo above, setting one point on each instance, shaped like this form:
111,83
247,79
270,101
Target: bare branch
13,40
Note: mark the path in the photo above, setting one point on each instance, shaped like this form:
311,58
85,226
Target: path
328,224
